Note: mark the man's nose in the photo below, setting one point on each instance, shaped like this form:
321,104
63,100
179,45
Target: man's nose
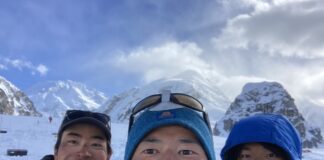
169,154
84,151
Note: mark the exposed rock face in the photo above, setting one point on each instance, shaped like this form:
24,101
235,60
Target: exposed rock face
267,97
13,101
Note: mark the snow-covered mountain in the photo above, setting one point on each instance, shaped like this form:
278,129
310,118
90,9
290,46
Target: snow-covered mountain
13,101
312,112
215,102
55,97
268,97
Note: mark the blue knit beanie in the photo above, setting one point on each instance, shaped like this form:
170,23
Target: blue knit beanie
187,118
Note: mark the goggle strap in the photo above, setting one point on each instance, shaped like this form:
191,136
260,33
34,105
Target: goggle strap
165,106
166,96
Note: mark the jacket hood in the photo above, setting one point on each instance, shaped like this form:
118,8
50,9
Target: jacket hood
268,128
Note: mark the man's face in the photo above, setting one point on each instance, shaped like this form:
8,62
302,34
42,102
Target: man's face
82,141
171,142
255,151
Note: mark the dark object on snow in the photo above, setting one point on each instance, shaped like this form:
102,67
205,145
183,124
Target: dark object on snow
50,119
54,134
48,157
16,152
3,131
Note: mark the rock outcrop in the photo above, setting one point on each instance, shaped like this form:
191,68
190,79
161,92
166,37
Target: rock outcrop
13,101
267,97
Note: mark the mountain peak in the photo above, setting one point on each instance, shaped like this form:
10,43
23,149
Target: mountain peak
13,101
215,102
55,97
267,97
263,92
262,87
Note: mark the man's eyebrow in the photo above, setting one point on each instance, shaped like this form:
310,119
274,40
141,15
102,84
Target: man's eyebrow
74,134
151,140
187,140
246,148
98,137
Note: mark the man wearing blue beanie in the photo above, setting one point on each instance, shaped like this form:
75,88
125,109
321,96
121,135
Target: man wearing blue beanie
169,126
263,136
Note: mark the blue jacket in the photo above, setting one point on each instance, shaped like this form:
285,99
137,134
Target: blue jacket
268,128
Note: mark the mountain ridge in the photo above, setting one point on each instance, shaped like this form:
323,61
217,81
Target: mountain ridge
53,98
13,101
268,97
215,102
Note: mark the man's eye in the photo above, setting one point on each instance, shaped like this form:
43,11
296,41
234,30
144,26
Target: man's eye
97,145
245,156
186,152
72,141
271,155
150,151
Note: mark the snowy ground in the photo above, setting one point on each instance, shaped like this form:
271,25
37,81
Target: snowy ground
36,135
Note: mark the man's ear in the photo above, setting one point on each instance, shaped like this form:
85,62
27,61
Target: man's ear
55,154
109,155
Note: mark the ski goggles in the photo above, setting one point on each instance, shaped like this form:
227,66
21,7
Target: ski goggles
72,115
181,99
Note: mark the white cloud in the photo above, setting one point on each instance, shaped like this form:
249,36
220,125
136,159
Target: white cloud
2,67
284,28
22,64
312,86
301,79
19,64
277,41
280,40
165,60
42,69
233,85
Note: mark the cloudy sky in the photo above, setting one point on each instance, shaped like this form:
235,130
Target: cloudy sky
113,45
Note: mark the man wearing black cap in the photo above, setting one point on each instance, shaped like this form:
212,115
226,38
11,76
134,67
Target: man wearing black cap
83,135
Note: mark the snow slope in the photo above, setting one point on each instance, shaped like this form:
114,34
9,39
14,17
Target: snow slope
312,112
36,135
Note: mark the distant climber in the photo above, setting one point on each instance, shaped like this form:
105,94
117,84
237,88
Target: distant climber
50,119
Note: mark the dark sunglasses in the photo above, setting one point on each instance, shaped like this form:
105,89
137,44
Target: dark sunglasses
176,98
75,114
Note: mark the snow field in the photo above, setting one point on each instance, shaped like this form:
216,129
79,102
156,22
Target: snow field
37,135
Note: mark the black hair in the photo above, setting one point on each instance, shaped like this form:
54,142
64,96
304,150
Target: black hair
234,153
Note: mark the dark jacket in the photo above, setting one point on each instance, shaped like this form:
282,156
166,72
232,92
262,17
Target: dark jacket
48,157
268,128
